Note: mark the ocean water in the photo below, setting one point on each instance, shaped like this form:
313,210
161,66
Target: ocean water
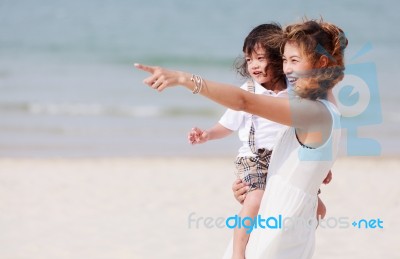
68,87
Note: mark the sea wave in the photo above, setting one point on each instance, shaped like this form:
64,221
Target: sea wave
175,60
97,109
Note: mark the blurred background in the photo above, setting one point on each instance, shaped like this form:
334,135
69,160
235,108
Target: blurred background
68,87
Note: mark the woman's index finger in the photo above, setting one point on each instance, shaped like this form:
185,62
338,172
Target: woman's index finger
149,69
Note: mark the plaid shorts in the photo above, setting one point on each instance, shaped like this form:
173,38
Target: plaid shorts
254,170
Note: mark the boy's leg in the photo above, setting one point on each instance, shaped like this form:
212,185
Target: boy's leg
250,209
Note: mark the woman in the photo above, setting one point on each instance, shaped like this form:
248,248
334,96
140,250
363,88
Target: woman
313,61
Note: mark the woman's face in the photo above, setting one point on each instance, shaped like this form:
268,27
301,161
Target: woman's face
295,64
256,64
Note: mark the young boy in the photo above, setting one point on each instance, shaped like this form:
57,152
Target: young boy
263,64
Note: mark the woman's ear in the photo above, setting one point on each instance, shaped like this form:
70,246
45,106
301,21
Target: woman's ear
323,61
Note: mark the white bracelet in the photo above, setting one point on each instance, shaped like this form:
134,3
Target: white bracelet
198,83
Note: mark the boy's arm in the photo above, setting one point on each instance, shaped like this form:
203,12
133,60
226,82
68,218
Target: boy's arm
199,136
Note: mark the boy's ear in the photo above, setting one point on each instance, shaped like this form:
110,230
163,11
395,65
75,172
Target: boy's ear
323,61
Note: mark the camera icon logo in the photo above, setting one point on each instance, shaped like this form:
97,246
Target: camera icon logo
358,100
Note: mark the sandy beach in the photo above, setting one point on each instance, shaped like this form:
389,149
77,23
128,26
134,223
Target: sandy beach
140,208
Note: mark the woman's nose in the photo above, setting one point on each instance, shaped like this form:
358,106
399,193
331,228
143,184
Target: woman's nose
287,69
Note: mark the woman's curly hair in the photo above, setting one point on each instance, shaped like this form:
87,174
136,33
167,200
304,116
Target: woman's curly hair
316,39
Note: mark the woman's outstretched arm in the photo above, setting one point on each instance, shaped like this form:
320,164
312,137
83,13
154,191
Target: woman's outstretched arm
296,112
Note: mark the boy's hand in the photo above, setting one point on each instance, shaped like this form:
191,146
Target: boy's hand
328,178
198,136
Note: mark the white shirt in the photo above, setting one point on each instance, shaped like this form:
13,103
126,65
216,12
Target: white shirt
266,131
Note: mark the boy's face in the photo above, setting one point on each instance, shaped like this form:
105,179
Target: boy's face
256,64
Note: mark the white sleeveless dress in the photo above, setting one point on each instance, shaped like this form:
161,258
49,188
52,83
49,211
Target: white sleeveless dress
295,175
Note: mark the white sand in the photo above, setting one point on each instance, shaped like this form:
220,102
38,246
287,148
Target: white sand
139,208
